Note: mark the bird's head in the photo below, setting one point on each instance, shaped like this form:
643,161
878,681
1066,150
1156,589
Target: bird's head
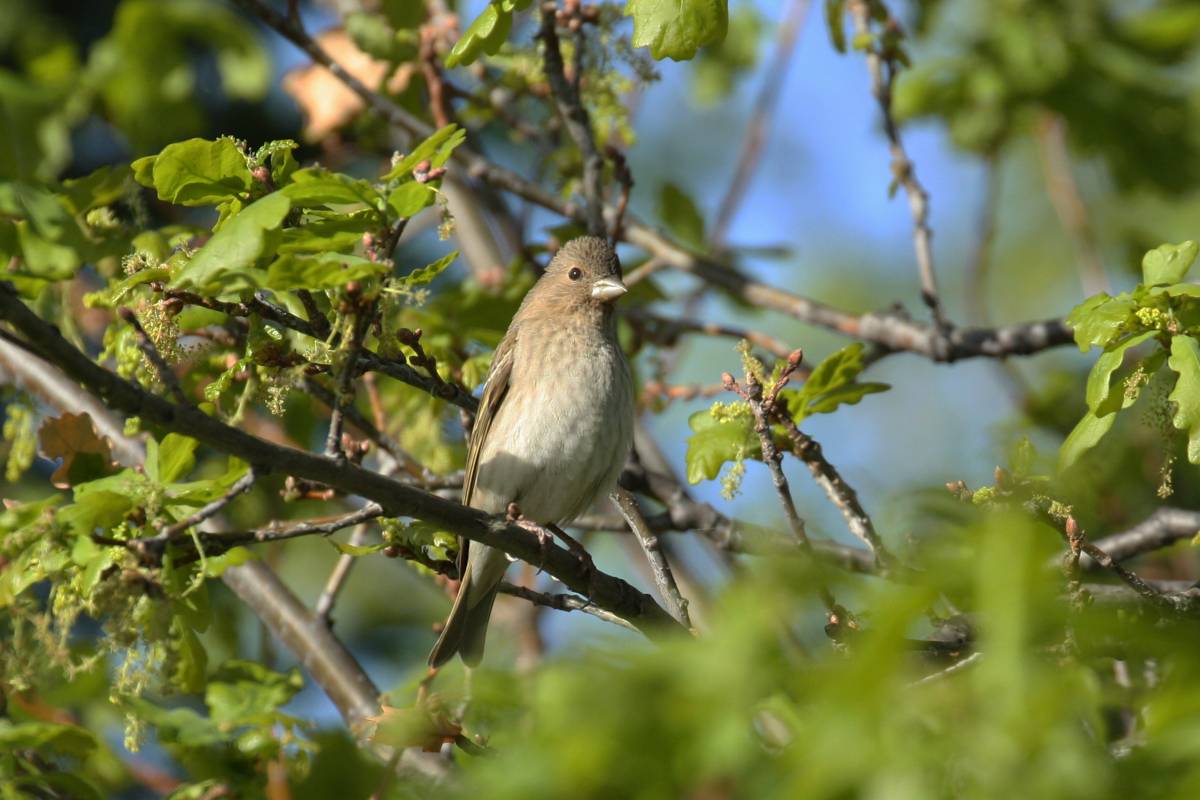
584,275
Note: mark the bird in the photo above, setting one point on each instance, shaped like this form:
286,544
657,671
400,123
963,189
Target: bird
554,425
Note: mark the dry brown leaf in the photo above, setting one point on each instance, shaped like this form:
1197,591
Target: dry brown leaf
73,438
326,102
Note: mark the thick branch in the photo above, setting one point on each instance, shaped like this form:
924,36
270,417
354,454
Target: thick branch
397,499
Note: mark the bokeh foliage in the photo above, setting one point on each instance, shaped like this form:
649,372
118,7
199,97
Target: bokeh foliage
145,167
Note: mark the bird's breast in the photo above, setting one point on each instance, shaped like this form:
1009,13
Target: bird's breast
564,429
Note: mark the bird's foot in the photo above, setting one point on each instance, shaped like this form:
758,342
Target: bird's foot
545,538
577,549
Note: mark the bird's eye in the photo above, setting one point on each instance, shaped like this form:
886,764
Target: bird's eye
575,274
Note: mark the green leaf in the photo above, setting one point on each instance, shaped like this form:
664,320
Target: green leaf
198,172
235,557
831,384
340,233
191,659
243,692
324,271
1100,394
436,150
114,294
224,263
345,548
680,214
1168,263
717,440
676,29
176,457
485,35
95,510
1099,319
1185,361
314,187
426,274
181,726
46,736
1086,434
411,198
99,188
834,11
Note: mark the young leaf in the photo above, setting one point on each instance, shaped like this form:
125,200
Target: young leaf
197,172
437,148
411,198
324,271
1099,319
314,187
832,384
424,275
717,440
676,29
486,34
1185,361
72,437
1086,434
224,263
1099,390
1168,263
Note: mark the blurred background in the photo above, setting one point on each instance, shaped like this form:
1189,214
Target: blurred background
1057,140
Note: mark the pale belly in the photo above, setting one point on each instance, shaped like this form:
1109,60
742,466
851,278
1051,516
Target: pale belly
554,450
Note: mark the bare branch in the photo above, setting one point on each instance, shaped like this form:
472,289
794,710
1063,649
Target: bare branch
574,117
1163,528
659,566
563,602
881,64
774,460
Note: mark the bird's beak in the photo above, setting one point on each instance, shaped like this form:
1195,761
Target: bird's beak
608,289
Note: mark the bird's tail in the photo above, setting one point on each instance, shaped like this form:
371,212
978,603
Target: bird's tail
466,628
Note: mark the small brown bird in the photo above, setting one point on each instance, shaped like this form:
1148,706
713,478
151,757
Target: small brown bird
554,425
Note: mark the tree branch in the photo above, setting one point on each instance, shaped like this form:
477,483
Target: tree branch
574,117
881,65
892,332
659,566
397,499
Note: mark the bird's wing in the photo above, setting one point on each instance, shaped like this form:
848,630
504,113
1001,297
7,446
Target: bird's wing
493,395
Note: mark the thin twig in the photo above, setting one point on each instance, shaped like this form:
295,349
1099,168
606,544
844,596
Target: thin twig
337,577
563,602
172,532
753,395
840,493
754,141
575,118
659,566
881,64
